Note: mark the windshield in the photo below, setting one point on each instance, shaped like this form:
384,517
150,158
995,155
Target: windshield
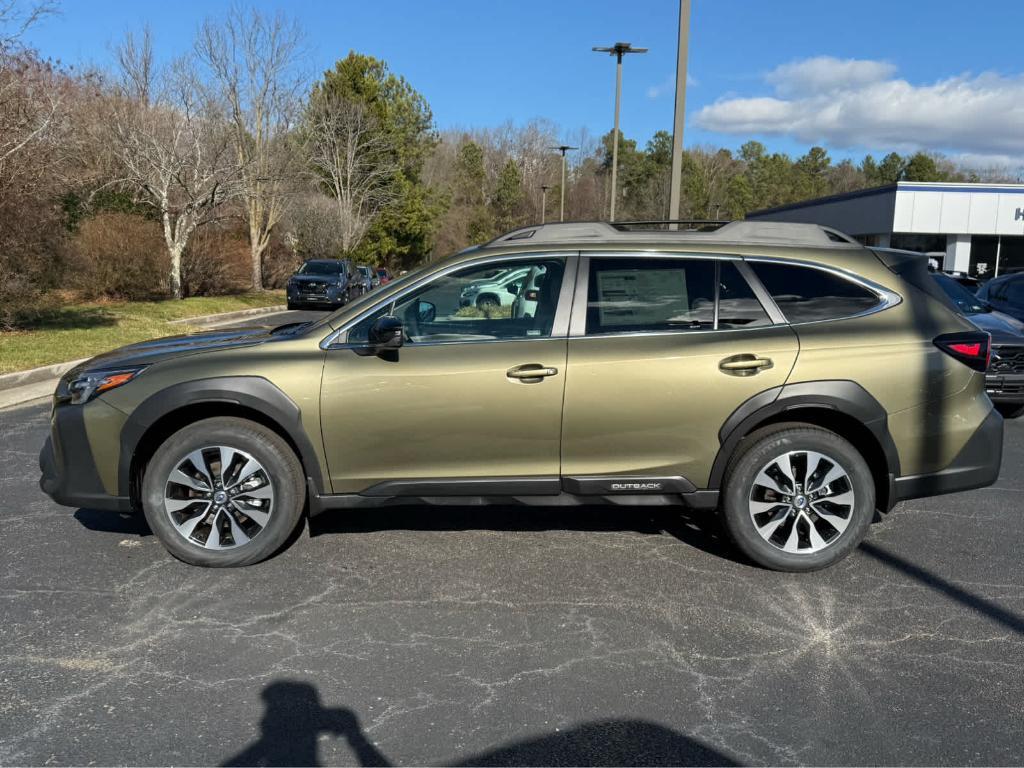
366,271
965,301
320,268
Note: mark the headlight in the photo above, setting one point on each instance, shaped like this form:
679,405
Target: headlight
86,385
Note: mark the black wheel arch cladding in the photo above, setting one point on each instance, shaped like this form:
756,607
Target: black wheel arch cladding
254,393
843,397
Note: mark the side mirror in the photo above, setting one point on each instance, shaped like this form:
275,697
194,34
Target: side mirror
386,333
512,288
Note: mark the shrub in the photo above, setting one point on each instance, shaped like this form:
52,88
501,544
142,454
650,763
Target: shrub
215,262
119,255
279,262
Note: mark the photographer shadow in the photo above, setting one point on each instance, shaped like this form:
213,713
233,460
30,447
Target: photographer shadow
294,720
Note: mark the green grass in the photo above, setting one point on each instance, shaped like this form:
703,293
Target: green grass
84,330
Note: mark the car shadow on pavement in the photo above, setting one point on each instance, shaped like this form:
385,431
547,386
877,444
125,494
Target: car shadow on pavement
294,720
700,529
113,522
952,591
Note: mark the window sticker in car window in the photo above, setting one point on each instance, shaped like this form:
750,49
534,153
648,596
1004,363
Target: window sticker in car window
640,297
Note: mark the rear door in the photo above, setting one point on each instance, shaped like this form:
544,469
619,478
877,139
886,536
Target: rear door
662,349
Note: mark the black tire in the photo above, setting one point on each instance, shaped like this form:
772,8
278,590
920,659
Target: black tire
262,444
486,301
758,451
1010,410
292,305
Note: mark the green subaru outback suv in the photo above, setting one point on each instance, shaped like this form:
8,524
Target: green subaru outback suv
782,374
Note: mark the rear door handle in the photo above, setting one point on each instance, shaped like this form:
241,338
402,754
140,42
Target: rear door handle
531,372
744,365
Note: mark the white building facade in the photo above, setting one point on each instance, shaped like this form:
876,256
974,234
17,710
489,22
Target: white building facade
972,228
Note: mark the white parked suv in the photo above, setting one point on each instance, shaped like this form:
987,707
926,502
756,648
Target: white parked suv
499,290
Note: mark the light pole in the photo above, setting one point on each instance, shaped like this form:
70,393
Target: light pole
544,201
680,116
561,208
617,51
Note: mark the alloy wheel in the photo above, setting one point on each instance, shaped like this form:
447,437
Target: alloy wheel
219,497
801,502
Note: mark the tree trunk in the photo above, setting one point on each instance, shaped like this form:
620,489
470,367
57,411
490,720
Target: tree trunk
256,249
175,275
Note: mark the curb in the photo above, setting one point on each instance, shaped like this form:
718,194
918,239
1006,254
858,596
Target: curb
226,317
24,386
34,375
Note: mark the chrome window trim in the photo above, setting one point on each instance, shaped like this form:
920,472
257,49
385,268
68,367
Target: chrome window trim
338,339
887,298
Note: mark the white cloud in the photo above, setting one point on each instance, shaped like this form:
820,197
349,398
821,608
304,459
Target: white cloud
668,86
826,74
847,104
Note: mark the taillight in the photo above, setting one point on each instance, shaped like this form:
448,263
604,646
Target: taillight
973,349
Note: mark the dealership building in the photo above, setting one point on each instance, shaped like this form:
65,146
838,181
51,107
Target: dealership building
972,228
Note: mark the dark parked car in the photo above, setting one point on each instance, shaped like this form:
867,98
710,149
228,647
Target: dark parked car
324,283
1006,294
1005,378
369,277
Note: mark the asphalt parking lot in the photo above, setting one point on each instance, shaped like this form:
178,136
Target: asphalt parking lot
509,636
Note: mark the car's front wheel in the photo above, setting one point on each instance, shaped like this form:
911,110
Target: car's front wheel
798,498
223,492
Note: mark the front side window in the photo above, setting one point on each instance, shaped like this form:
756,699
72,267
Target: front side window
806,294
511,300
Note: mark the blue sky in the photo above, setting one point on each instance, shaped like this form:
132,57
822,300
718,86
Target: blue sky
855,76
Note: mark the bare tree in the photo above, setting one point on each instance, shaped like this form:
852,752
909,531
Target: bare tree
173,149
253,60
313,227
354,160
30,89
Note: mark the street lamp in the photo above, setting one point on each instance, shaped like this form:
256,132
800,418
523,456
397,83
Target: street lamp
544,201
563,148
617,50
680,117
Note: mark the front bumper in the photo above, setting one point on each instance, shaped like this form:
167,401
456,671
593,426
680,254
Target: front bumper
976,466
68,469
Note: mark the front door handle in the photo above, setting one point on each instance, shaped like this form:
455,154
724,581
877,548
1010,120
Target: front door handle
531,372
744,365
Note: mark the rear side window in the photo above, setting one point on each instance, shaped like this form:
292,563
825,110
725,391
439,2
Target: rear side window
738,307
805,294
636,295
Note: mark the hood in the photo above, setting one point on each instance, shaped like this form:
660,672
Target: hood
1004,329
156,350
316,278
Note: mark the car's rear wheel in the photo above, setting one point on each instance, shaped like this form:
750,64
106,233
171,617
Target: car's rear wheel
1010,410
223,492
798,498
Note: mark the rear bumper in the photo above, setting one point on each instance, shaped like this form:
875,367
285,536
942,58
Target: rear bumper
68,469
976,466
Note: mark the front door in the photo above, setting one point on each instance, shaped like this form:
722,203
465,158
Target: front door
661,351
471,404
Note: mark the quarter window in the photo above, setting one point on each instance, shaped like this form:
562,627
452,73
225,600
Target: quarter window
805,294
507,300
